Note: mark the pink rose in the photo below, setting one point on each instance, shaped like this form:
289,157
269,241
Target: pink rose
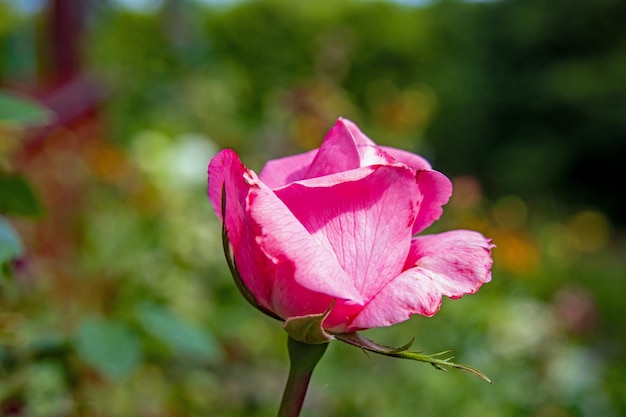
337,225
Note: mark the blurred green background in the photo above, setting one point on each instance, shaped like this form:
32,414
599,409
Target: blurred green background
115,297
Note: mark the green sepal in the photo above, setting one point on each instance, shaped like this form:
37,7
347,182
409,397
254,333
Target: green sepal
404,352
232,266
309,329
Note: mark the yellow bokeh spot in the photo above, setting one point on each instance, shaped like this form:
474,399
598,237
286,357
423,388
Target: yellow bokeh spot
588,231
516,253
510,212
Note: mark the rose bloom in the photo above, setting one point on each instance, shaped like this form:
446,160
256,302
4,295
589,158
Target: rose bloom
336,226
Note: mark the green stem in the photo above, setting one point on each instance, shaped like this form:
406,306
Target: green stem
302,357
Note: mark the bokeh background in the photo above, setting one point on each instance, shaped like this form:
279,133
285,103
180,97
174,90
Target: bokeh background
115,299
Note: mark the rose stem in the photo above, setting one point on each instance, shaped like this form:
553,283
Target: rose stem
302,357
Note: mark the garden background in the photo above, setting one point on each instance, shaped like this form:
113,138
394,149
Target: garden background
116,300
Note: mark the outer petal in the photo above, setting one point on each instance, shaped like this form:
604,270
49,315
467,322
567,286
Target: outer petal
436,190
279,172
451,264
227,172
364,217
299,255
290,299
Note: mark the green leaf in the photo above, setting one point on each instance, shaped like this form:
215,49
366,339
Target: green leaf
180,336
10,242
110,347
17,197
23,111
403,352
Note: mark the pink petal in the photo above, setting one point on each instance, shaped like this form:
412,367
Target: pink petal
337,153
451,264
364,217
296,254
226,170
436,190
289,299
369,152
374,155
385,154
409,159
272,280
359,137
279,172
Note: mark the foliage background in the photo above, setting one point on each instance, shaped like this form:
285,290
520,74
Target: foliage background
119,302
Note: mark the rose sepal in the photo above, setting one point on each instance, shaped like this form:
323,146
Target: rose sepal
309,329
404,352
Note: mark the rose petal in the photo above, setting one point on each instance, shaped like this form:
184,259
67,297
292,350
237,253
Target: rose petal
436,190
226,171
279,172
374,155
290,299
410,159
369,152
284,240
451,264
273,283
359,137
337,153
363,216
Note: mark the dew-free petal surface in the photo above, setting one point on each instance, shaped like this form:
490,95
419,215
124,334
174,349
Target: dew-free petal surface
359,137
282,171
285,240
409,159
451,264
436,190
227,172
337,153
364,217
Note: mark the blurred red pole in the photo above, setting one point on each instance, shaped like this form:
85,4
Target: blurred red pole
72,94
66,26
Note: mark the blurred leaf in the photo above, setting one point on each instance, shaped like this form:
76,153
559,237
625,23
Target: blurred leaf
23,111
17,196
177,334
10,243
108,346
